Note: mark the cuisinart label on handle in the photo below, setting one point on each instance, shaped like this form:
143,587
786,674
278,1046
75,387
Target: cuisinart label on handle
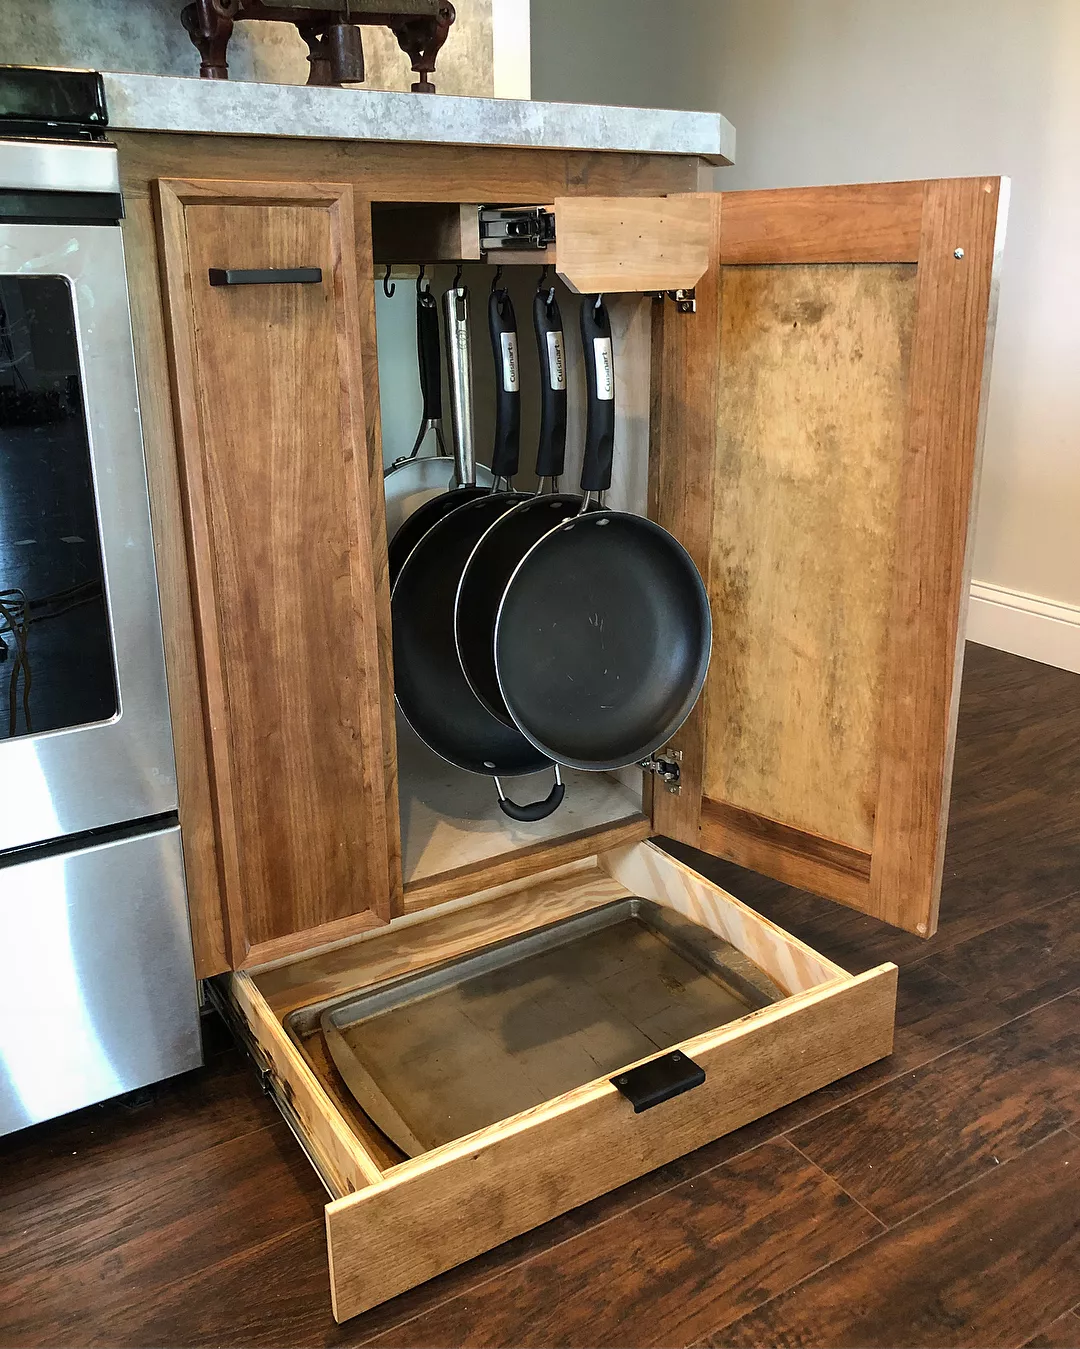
556,360
509,361
605,372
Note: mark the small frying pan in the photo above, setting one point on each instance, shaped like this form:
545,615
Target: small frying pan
463,486
507,540
414,478
430,686
603,634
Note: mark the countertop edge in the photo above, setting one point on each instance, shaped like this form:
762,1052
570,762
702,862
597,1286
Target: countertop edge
170,103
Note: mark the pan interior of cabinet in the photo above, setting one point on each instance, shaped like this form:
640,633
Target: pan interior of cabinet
813,395
451,819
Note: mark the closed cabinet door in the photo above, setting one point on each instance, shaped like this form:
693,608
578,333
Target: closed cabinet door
826,403
263,310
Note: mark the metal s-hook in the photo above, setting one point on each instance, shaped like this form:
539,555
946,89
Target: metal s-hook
420,281
457,276
598,302
388,287
498,278
541,285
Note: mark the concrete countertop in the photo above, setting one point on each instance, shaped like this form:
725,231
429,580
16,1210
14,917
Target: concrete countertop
243,108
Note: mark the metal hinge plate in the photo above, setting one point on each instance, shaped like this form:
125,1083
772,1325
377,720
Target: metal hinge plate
666,766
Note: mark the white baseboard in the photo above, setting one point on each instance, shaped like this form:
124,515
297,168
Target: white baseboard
1042,630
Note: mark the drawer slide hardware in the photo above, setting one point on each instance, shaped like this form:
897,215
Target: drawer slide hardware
659,1080
516,227
265,276
666,766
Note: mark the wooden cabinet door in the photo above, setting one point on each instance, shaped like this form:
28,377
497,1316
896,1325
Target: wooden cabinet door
826,403
270,410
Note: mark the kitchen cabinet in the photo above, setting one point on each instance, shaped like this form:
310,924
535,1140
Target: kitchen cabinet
812,435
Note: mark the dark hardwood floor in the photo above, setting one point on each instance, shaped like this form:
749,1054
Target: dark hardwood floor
932,1199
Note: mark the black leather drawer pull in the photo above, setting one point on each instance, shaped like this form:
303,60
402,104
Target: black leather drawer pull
659,1080
266,276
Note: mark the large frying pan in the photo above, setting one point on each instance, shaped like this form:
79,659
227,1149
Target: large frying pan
603,633
414,479
430,686
506,541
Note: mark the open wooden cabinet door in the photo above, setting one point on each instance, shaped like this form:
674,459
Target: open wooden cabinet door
816,435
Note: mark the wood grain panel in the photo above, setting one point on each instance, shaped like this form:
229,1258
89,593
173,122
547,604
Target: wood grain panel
767,1220
866,222
632,244
1064,1333
524,862
957,300
410,945
793,855
204,887
383,171
270,406
648,871
979,1268
682,467
341,1155
1023,963
839,451
812,408
449,1205
899,1147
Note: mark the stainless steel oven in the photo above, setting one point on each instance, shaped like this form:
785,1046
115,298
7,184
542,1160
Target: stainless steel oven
91,872
84,726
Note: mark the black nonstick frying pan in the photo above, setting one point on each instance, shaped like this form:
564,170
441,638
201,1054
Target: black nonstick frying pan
430,687
509,538
603,634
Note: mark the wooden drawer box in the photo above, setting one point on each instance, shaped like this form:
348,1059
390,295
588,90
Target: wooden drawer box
391,1227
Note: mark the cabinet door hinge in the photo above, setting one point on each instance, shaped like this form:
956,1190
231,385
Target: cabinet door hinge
666,767
685,300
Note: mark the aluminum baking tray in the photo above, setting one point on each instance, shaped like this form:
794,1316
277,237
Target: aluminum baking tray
432,1056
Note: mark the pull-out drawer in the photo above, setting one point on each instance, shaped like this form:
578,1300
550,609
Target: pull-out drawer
394,1223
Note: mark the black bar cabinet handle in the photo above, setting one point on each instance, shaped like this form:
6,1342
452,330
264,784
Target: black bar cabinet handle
266,276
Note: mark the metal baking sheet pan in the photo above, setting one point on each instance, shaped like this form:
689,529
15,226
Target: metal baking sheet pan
433,1056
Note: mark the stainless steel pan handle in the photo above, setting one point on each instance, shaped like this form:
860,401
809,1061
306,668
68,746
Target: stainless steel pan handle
459,355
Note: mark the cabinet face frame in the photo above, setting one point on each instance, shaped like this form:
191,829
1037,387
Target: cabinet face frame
947,235
896,877
264,922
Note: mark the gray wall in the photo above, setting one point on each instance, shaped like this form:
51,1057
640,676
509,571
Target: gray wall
827,91
637,53
145,35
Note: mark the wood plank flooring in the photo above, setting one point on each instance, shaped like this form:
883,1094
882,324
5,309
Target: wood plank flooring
932,1199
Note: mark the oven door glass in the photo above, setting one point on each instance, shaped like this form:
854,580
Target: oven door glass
57,668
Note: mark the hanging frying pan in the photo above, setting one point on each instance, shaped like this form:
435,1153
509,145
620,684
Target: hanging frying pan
429,684
415,478
464,485
603,634
507,540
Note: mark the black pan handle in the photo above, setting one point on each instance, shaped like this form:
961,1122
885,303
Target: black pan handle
535,810
265,276
547,320
600,381
502,324
428,355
